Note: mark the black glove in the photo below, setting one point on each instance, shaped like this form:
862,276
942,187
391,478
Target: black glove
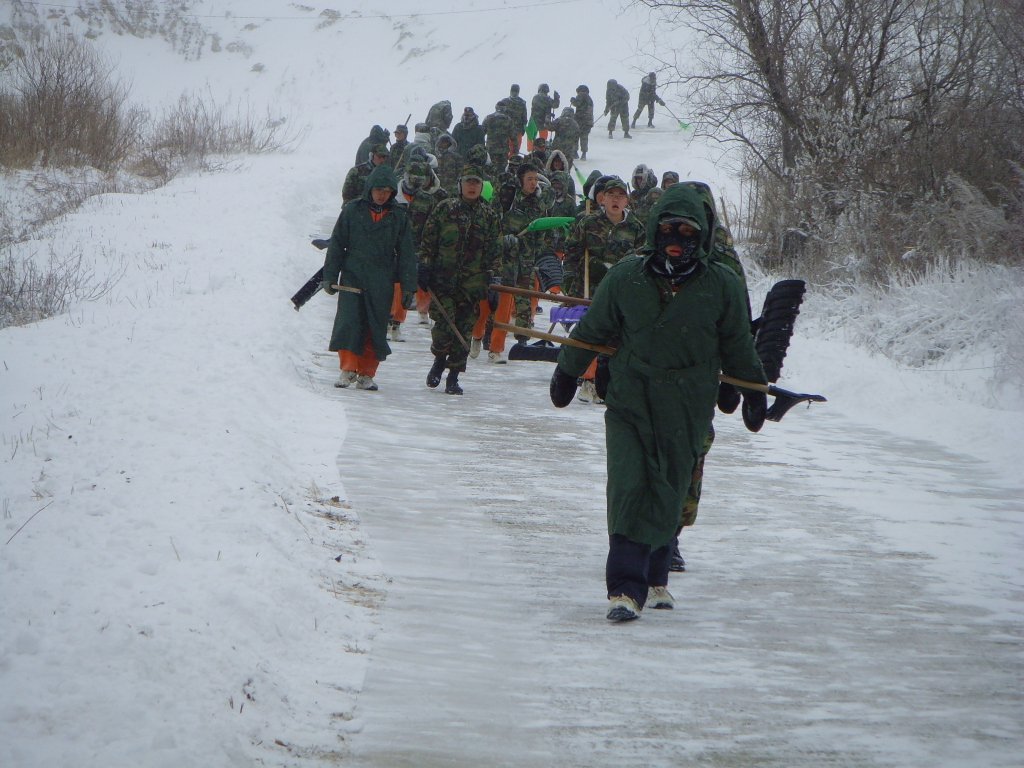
603,376
755,406
326,285
728,397
563,388
423,277
492,295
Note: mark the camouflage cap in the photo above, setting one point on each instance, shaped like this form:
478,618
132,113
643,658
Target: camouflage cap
471,171
610,182
540,141
402,129
418,168
669,176
515,159
379,149
543,88
674,221
582,89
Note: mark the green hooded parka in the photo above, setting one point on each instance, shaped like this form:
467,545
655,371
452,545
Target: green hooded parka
664,376
372,256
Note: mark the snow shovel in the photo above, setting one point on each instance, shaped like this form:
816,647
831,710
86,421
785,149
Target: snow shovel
683,125
447,317
310,287
545,223
784,399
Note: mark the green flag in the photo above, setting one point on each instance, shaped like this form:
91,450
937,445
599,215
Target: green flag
488,191
531,130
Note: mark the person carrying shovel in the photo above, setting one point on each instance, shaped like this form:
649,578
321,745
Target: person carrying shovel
678,320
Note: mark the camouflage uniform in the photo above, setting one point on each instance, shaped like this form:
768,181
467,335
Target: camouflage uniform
501,132
440,116
541,107
468,133
355,180
647,98
567,135
564,203
604,243
584,106
398,146
524,209
378,135
423,199
477,157
616,103
421,142
519,113
640,201
449,162
460,248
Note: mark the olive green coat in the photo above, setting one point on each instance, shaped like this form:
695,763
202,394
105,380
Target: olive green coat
664,377
371,256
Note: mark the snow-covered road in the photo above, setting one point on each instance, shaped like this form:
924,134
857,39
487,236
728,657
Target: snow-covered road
830,614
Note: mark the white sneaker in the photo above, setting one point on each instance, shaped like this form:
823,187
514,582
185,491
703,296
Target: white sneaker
346,379
622,608
396,333
474,348
424,318
660,597
367,383
496,357
588,393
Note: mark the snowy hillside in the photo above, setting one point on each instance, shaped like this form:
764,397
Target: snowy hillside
213,557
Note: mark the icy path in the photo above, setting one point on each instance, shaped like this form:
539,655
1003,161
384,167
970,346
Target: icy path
848,600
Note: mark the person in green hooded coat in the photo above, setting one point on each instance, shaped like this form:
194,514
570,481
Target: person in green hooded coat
677,319
371,249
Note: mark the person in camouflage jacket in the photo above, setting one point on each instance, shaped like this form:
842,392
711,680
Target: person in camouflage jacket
478,158
648,95
420,191
567,135
603,238
616,103
398,145
355,180
501,132
529,203
519,113
449,162
378,135
584,106
459,256
541,108
370,249
440,116
645,181
468,132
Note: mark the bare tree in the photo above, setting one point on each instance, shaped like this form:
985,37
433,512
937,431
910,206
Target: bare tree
864,121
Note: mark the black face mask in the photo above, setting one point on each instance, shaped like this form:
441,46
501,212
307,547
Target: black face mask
689,244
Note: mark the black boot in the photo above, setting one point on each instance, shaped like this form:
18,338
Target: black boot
434,375
676,562
451,385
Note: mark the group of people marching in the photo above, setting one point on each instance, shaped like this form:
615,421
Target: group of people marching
439,222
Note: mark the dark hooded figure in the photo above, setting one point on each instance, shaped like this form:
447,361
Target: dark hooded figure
678,319
378,135
371,248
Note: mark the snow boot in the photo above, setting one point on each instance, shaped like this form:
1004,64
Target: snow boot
346,379
627,136
583,156
434,375
650,124
622,608
396,332
451,385
367,383
424,318
660,598
497,358
610,135
676,563
474,348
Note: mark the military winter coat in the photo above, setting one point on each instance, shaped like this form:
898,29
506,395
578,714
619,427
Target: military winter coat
397,150
616,98
460,245
664,376
372,256
355,182
440,116
567,135
518,112
419,204
468,135
501,131
378,135
584,106
604,243
540,110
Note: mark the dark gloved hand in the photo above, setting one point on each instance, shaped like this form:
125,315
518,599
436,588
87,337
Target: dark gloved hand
408,299
492,295
423,277
728,397
755,406
326,285
603,376
563,388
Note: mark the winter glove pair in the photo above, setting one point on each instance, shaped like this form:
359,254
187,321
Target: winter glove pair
492,295
423,277
755,408
326,285
728,398
563,388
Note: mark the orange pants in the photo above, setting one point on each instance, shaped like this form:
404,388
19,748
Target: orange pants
534,301
506,302
422,300
398,310
364,364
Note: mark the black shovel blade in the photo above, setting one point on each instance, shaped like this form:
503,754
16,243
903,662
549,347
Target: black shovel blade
785,400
